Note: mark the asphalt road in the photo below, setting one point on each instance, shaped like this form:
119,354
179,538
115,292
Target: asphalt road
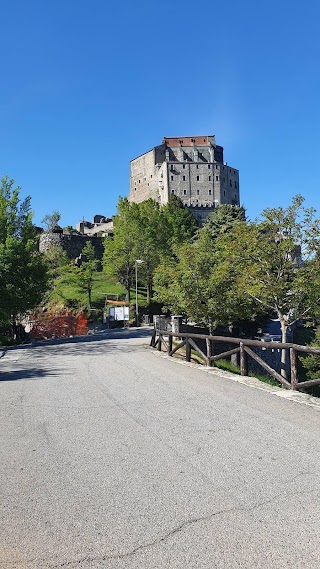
113,457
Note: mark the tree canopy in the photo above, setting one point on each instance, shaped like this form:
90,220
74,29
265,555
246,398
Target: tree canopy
23,270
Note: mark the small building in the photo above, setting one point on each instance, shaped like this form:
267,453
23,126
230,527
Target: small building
102,226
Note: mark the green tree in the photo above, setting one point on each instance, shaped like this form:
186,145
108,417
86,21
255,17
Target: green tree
222,219
179,222
120,252
23,270
51,220
57,260
276,263
199,283
84,275
151,241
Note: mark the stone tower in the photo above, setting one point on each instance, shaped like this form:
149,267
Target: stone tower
190,167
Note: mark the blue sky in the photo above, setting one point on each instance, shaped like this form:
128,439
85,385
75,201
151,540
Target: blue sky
87,86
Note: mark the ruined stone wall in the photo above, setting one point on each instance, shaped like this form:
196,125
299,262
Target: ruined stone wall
72,244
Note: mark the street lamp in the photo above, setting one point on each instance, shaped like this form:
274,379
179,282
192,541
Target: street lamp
138,262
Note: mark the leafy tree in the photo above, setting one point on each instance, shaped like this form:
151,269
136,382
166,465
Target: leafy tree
120,252
223,219
276,262
180,224
51,220
57,260
85,273
199,283
311,362
23,270
151,241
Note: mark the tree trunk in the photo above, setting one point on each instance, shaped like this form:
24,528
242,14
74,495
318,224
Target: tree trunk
284,329
149,290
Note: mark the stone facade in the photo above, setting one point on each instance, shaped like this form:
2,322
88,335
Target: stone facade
72,244
191,168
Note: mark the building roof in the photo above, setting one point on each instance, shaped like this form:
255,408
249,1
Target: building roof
199,140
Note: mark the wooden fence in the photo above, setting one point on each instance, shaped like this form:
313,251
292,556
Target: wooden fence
188,341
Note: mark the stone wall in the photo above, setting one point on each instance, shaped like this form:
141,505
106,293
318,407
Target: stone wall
72,244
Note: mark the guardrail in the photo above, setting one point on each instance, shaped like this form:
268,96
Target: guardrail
187,340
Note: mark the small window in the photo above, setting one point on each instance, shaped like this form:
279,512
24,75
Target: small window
171,178
198,178
224,193
209,178
171,167
198,192
183,166
217,178
184,178
216,166
139,181
181,141
209,166
172,191
197,166
184,192
210,192
151,176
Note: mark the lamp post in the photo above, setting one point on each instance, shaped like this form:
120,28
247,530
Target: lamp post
138,262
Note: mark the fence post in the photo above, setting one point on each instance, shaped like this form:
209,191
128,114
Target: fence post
188,351
159,343
243,360
209,351
153,339
293,366
169,344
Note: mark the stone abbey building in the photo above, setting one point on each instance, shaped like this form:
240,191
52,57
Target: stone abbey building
191,168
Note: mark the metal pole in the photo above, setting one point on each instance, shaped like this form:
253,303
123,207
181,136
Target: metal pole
137,308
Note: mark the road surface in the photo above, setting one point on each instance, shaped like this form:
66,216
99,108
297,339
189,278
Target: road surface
113,457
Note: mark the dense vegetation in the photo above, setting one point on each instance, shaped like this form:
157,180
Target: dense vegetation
23,271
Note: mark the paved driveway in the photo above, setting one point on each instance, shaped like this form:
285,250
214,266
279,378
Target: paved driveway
113,457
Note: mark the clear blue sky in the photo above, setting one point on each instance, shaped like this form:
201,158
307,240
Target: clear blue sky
87,86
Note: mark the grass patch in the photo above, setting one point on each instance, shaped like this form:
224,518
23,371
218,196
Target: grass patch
68,294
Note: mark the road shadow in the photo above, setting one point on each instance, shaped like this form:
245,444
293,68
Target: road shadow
26,374
102,342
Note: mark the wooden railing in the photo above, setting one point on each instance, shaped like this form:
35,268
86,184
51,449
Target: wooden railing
187,341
